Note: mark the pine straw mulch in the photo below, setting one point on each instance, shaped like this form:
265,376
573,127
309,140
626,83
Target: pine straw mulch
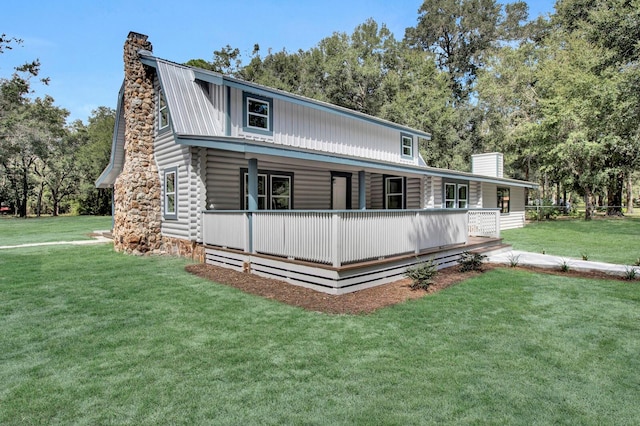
358,302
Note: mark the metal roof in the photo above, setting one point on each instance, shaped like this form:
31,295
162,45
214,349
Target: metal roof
190,109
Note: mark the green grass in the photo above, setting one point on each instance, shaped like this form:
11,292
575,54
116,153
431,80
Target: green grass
15,231
91,336
604,240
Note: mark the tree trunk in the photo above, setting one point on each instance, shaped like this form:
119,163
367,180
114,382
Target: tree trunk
614,195
629,193
587,205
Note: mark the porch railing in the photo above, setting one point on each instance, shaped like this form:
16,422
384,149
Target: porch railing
335,237
484,223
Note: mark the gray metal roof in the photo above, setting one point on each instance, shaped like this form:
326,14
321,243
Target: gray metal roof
108,177
191,110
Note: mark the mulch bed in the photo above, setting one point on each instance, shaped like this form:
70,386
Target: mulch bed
358,302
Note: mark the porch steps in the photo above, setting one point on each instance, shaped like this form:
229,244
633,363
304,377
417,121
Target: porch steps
492,250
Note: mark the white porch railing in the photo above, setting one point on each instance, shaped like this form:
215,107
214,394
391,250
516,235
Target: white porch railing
484,223
335,237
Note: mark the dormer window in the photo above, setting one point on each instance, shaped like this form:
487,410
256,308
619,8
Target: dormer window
258,114
406,142
163,112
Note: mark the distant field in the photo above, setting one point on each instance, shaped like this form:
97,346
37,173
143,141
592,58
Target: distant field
614,240
15,231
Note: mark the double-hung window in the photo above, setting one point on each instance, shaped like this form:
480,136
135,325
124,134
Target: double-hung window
394,192
275,190
257,114
163,112
456,195
406,142
504,202
170,193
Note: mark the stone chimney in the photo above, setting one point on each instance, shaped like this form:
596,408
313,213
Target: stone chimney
137,214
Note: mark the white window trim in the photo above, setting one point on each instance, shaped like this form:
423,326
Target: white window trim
500,206
403,144
272,196
452,200
466,200
266,116
394,194
246,190
162,107
171,214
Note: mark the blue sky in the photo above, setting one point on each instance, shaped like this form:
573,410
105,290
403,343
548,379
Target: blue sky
80,42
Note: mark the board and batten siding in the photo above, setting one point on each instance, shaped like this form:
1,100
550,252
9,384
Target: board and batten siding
300,126
515,218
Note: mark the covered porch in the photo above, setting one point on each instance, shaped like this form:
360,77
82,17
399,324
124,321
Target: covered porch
338,251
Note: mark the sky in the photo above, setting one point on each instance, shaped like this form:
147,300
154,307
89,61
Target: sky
79,43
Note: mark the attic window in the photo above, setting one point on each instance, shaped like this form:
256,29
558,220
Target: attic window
163,112
407,146
258,114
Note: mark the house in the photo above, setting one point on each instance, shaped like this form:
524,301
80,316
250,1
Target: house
261,180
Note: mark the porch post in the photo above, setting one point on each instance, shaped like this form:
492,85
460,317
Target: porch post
362,191
253,196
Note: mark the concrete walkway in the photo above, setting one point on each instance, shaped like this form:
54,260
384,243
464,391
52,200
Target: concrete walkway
555,262
97,238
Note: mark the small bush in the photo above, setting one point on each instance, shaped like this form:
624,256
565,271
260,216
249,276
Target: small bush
630,274
637,262
471,261
564,266
422,275
514,260
585,255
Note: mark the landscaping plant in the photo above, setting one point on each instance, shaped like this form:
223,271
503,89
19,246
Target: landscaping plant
471,261
422,275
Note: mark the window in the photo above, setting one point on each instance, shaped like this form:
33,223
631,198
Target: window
262,191
449,195
456,195
170,198
407,146
258,116
462,196
394,192
275,190
504,200
163,112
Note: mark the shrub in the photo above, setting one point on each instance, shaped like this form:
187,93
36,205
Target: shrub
630,274
422,275
514,260
585,255
471,261
564,266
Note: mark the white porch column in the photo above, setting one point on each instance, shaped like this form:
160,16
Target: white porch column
362,190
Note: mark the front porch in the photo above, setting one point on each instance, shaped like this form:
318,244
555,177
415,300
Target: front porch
345,250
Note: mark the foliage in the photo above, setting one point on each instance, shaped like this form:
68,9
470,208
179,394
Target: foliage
564,265
630,274
471,261
514,260
422,275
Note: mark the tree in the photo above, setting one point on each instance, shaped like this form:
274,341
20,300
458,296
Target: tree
460,32
93,156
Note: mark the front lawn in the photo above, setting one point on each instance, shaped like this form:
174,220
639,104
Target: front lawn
91,336
614,240
14,231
